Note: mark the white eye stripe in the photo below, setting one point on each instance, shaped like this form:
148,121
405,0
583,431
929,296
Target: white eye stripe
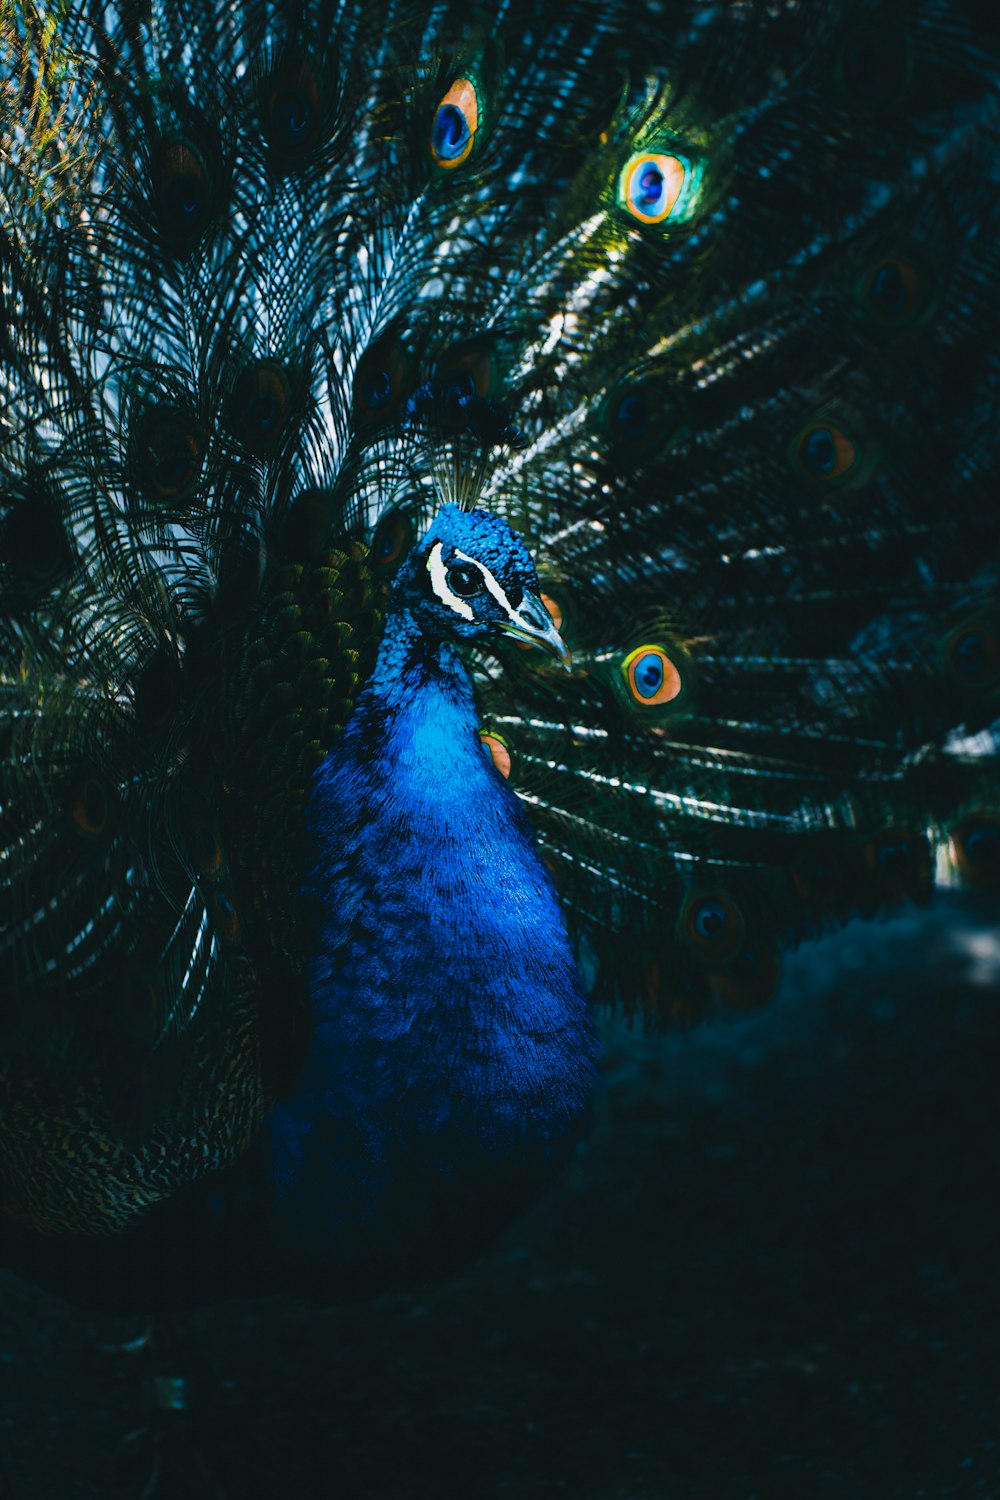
439,582
494,588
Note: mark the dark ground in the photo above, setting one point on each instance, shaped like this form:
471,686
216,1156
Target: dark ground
774,1272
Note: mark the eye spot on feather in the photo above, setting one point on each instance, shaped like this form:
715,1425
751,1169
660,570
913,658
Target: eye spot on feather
455,124
291,109
975,848
225,917
972,655
825,452
260,403
183,192
468,369
170,453
392,540
90,805
631,418
651,186
893,291
712,927
642,416
651,676
497,750
379,380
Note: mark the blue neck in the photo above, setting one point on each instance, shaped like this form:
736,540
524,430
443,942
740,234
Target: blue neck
452,1050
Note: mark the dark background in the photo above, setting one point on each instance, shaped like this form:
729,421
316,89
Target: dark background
773,1271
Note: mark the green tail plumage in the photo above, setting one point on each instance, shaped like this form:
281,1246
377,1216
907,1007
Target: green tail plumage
701,300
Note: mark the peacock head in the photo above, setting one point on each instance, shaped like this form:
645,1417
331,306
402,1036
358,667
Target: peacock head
472,577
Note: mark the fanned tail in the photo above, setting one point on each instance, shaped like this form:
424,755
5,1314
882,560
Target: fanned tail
703,301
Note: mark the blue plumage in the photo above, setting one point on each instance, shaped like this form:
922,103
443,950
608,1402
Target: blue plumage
451,1043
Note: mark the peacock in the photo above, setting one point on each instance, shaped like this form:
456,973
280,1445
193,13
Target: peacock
499,517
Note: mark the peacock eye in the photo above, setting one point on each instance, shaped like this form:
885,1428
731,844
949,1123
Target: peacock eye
653,187
712,927
895,291
380,380
632,417
393,535
291,109
456,121
651,676
260,403
170,453
184,192
826,452
464,580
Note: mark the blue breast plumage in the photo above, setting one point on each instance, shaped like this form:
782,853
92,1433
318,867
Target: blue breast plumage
452,1052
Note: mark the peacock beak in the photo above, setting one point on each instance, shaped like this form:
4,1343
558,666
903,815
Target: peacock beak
532,624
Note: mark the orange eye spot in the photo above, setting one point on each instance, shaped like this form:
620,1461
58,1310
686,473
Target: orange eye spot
392,539
170,454
260,405
496,749
456,121
712,927
893,290
90,806
825,452
651,185
651,676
